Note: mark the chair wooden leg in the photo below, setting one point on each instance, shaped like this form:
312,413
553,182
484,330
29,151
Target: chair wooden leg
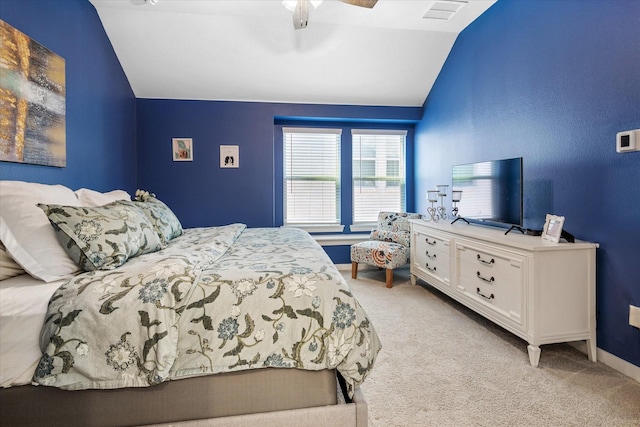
389,277
354,270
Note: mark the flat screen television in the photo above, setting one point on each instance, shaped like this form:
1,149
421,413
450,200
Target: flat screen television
491,191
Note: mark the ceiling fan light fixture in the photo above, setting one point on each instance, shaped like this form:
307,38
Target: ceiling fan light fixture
300,9
290,5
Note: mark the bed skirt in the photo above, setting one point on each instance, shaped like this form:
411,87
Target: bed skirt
254,397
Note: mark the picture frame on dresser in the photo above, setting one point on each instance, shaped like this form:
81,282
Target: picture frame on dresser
552,230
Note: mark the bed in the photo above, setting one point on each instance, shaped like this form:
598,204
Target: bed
208,326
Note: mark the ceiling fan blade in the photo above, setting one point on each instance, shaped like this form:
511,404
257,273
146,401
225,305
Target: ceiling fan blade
301,14
362,3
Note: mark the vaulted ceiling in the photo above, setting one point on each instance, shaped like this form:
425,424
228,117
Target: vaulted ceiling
239,50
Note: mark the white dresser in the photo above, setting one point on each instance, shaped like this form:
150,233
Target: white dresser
541,291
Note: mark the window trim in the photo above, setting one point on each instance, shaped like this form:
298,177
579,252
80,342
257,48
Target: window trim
398,132
346,126
362,226
317,228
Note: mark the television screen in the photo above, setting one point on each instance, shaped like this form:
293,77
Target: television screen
491,191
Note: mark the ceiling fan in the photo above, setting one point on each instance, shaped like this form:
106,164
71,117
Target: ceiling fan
300,9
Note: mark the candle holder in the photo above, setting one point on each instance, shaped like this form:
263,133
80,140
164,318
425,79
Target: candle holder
432,197
456,196
442,193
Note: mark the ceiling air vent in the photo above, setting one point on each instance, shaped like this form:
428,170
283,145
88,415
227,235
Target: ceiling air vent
444,9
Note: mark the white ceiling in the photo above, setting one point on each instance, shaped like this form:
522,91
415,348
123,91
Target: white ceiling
240,50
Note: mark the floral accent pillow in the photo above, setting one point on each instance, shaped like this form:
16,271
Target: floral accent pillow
394,227
165,222
103,237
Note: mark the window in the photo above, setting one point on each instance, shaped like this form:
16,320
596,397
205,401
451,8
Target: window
378,174
312,178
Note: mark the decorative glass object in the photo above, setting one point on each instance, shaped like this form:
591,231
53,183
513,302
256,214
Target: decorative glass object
456,196
432,197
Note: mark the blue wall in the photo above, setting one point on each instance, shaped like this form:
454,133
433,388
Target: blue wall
202,194
553,82
100,106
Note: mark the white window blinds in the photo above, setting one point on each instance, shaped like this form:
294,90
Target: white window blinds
311,177
378,173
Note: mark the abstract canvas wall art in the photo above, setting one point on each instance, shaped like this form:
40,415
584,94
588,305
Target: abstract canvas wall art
32,101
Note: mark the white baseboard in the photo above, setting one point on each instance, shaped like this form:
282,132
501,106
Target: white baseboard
614,362
620,365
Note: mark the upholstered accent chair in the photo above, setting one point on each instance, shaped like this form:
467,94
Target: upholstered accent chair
388,244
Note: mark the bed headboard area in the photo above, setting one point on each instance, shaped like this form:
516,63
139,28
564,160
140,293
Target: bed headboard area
27,234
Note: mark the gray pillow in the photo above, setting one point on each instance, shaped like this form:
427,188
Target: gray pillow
103,237
165,222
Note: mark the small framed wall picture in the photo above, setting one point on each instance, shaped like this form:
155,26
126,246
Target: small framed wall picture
553,228
182,149
229,156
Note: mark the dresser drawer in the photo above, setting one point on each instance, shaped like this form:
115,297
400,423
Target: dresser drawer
430,244
492,278
431,255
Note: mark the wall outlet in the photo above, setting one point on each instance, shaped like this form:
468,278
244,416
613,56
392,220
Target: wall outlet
634,316
628,141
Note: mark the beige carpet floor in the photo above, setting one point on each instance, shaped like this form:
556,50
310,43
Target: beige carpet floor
443,365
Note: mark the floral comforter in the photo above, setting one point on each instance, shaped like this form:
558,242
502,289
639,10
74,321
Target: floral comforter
215,300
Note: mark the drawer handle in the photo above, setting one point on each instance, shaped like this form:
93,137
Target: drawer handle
432,242
430,268
490,297
429,256
491,279
485,261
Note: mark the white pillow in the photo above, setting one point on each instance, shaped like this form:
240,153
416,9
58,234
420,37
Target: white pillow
8,267
26,232
92,198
